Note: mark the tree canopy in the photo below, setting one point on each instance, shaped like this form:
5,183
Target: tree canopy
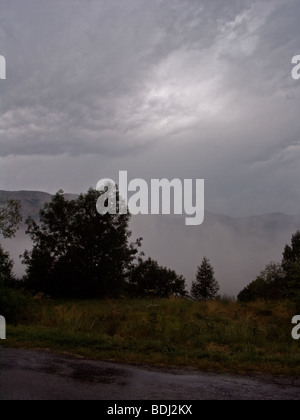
148,279
10,300
278,280
6,268
77,252
10,218
291,265
270,284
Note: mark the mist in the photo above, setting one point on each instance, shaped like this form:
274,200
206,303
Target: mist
238,248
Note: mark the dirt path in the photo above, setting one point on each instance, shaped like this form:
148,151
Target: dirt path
40,375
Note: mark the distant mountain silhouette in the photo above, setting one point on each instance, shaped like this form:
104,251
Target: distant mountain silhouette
239,248
32,201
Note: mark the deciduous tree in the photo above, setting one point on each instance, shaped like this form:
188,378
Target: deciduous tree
77,252
148,279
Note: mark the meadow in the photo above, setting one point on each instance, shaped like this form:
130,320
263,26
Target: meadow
211,336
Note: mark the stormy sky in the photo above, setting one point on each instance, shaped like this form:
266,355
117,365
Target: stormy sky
160,88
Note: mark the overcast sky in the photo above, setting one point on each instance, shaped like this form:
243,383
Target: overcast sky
161,88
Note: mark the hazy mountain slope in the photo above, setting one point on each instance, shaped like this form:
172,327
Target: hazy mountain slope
238,247
31,201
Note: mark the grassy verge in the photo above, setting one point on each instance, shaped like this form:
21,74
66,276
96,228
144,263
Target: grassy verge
208,336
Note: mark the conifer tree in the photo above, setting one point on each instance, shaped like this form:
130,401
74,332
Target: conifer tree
206,286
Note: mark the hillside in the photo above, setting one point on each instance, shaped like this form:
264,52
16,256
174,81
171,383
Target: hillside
31,201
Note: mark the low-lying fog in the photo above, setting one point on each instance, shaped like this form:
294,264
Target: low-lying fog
238,248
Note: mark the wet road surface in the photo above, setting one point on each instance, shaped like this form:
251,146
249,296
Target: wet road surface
42,375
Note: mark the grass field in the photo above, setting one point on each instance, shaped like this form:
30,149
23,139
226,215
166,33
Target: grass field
219,336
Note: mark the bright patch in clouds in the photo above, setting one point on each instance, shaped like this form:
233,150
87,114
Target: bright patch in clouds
168,87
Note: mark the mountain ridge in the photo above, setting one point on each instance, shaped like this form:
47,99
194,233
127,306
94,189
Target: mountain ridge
42,197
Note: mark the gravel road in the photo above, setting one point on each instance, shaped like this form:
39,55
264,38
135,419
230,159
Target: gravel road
42,375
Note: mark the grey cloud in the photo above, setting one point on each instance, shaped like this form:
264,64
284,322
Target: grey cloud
83,70
173,87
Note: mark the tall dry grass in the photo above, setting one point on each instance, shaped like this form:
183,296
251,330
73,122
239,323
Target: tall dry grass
213,335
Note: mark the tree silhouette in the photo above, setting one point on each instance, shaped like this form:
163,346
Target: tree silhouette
148,279
206,286
78,252
10,217
291,264
270,284
278,281
11,302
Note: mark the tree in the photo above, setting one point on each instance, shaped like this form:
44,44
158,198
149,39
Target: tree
206,286
150,279
291,265
77,252
278,281
12,302
10,217
6,268
270,284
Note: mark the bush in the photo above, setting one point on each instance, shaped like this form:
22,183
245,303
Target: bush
14,304
148,279
269,285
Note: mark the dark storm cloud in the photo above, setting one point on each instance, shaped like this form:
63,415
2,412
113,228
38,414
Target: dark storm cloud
204,87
